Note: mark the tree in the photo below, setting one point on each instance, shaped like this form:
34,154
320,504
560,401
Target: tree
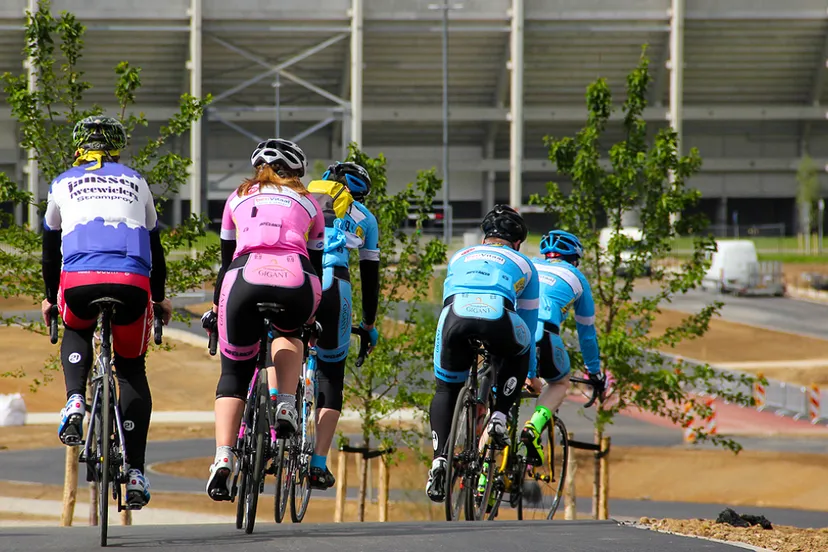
46,116
652,178
397,374
807,194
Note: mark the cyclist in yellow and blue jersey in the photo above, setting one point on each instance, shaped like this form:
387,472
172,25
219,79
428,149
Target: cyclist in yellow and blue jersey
490,295
357,229
563,287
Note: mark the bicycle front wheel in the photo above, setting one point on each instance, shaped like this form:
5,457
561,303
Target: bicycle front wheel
300,490
543,485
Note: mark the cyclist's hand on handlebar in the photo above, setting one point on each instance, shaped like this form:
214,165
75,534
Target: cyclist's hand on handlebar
45,309
166,310
599,382
373,334
209,321
534,385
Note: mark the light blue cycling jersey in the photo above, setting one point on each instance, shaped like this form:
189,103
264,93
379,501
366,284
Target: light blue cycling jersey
563,286
358,229
497,270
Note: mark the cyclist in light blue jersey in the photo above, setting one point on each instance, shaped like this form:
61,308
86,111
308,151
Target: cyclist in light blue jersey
490,295
357,229
562,288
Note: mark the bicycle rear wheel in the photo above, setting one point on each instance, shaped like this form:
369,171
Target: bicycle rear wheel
543,485
257,473
300,489
105,448
461,453
284,474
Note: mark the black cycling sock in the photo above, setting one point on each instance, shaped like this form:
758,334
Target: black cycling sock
441,412
76,358
135,401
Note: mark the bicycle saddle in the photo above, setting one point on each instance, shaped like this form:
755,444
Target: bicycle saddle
274,308
102,302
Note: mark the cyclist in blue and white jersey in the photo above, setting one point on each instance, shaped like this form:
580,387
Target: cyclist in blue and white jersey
490,295
563,287
357,229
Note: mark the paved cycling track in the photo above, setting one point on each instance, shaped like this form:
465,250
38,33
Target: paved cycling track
565,536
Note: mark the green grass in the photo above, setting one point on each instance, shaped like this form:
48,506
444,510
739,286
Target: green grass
201,243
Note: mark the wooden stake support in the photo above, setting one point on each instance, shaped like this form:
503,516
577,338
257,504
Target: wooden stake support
341,485
570,511
384,480
70,487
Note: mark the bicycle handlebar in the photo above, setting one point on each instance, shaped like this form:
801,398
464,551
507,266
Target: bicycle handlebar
158,323
53,324
364,343
595,393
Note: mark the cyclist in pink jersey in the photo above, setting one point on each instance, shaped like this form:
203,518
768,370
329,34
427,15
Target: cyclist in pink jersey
272,237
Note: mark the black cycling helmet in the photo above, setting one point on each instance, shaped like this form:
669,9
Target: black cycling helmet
356,178
98,133
505,223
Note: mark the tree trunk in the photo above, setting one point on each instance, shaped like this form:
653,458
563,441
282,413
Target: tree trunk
363,481
596,482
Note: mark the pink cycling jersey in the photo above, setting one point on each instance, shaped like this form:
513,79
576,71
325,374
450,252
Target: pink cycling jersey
273,220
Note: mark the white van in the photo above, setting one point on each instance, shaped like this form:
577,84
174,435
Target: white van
631,232
735,268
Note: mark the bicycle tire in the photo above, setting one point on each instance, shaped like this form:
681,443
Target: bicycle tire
283,474
261,428
105,433
241,494
459,423
487,464
300,490
563,450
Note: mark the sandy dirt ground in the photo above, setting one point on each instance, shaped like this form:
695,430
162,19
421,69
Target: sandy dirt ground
183,378
771,479
45,436
780,538
732,342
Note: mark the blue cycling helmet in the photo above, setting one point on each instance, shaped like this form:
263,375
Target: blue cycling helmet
561,243
354,176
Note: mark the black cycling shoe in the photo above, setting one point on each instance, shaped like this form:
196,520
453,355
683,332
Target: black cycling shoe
321,479
72,434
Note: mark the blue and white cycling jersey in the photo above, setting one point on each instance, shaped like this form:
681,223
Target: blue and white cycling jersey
358,229
105,216
489,269
562,287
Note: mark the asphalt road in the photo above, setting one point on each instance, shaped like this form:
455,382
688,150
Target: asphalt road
564,536
776,313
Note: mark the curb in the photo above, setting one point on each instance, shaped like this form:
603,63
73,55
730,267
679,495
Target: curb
737,544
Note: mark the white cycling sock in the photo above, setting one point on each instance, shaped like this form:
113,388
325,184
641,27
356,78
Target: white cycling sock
499,416
285,398
224,453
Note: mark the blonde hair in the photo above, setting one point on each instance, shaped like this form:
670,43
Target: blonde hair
265,176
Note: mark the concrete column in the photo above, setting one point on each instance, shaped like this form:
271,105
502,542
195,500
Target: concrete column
194,66
356,73
32,169
516,107
721,212
677,70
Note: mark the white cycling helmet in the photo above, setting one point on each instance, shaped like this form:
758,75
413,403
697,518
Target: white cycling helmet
279,152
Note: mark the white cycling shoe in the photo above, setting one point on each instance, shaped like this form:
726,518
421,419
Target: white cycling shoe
218,485
287,419
137,489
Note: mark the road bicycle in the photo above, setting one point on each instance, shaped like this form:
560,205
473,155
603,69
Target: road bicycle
291,465
464,459
535,487
257,439
103,450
